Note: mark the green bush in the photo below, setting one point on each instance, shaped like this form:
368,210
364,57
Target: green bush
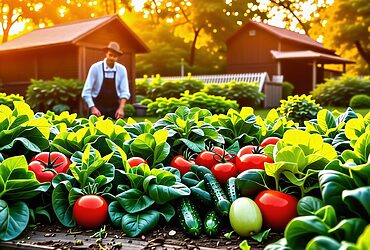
338,92
142,86
129,110
360,101
287,89
9,99
215,104
246,94
172,88
299,108
44,95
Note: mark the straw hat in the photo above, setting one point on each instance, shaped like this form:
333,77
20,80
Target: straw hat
114,46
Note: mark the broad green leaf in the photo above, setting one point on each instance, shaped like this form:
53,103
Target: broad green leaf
163,194
278,245
308,205
253,181
62,209
160,136
332,184
363,241
163,177
133,200
302,229
326,120
362,146
348,229
293,154
327,215
13,219
196,146
116,213
357,201
137,224
167,211
275,169
322,242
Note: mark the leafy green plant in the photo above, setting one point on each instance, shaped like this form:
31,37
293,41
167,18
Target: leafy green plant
44,95
17,184
88,169
331,128
338,92
96,131
246,94
298,158
154,148
215,104
236,126
360,101
299,108
21,133
9,99
141,204
187,129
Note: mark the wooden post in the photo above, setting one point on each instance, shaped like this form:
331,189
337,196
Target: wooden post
344,68
314,74
279,68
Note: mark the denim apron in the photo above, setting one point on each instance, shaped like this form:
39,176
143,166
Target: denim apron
107,100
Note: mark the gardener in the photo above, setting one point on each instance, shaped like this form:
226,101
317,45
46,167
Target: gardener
106,87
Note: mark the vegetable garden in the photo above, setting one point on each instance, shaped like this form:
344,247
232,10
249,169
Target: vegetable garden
205,172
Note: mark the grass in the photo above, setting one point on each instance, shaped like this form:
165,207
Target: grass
263,113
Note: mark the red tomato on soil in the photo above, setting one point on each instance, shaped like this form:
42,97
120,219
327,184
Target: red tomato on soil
90,211
277,208
223,171
136,161
46,165
181,164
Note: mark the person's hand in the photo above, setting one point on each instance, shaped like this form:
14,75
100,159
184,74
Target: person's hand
95,111
119,113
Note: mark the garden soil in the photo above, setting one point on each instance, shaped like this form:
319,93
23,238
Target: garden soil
165,237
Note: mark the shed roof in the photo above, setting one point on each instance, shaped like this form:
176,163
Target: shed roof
311,55
65,33
282,34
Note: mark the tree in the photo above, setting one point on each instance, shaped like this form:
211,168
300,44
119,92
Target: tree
296,14
346,29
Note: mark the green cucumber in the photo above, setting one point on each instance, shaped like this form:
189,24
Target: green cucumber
190,179
211,223
231,189
200,171
189,218
218,195
201,195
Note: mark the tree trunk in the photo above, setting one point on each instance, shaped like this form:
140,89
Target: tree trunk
193,44
363,53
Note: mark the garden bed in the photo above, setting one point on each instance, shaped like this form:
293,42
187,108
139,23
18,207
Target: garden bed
166,237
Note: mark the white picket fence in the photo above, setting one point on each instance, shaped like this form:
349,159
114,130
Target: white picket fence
261,78
272,90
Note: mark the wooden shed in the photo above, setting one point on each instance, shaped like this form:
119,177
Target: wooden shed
66,50
259,47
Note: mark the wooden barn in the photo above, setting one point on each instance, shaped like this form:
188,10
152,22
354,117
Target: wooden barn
66,50
259,47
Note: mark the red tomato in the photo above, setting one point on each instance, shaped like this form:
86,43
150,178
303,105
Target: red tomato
270,141
136,161
206,158
181,164
46,165
222,155
90,211
223,171
277,208
252,161
244,150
